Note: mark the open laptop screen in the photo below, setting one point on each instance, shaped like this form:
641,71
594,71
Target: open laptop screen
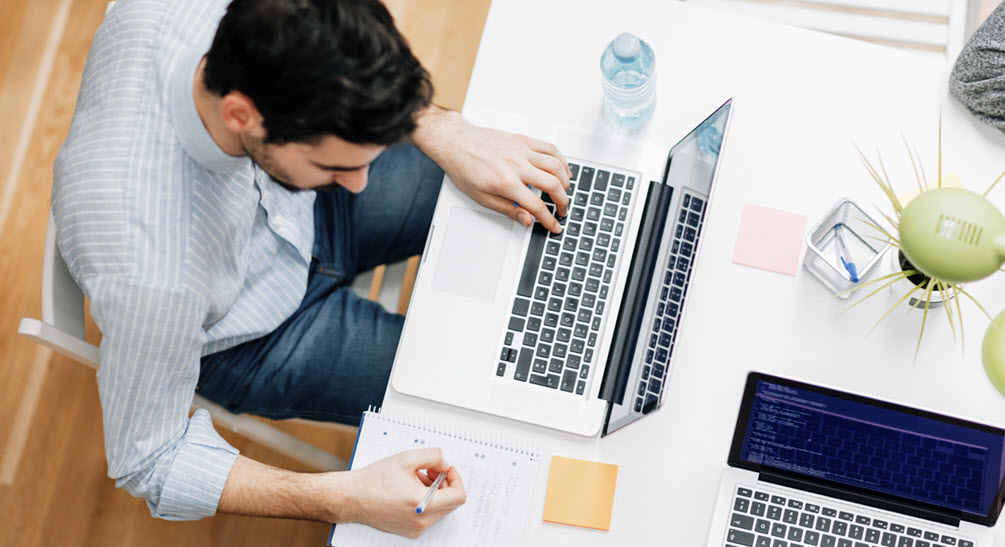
870,445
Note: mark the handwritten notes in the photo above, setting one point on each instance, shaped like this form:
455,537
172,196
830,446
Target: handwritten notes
498,480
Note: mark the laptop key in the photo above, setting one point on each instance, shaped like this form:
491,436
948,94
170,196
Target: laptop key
584,371
535,249
568,381
586,180
540,366
501,369
740,537
790,516
573,362
523,365
520,307
556,366
550,380
600,183
580,387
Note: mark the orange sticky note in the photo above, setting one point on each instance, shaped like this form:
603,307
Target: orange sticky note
580,493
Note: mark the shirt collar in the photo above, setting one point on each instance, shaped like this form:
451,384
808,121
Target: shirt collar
194,136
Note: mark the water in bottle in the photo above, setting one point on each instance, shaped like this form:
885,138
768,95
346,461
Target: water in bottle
628,70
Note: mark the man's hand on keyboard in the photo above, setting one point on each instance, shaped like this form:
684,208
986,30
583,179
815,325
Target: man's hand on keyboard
495,167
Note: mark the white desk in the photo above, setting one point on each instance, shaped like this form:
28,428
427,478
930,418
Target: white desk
801,99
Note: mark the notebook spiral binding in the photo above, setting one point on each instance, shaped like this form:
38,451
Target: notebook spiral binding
522,448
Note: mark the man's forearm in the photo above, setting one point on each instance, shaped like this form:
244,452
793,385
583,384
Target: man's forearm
434,123
260,490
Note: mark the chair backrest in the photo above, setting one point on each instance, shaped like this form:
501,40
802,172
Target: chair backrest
936,27
62,300
62,330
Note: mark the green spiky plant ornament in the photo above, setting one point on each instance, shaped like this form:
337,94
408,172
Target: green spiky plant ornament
950,236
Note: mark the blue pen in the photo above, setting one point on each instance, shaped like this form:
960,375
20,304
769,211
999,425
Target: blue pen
429,495
843,252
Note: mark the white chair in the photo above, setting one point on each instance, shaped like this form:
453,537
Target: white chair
936,27
62,330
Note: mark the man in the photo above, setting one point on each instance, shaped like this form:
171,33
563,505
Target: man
978,77
225,177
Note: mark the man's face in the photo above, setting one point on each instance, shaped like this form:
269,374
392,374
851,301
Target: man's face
301,166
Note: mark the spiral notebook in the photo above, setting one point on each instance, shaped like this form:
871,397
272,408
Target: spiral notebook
499,478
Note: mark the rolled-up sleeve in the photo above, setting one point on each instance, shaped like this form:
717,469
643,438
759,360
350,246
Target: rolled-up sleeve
150,354
978,76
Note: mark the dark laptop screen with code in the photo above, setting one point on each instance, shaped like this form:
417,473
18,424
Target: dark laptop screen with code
871,445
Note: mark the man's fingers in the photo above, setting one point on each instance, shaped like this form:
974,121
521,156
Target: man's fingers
421,458
550,184
557,167
450,495
549,149
425,478
531,202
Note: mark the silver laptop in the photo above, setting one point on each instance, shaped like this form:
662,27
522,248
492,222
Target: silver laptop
815,466
573,331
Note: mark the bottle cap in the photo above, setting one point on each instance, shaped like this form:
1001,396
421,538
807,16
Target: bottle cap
626,47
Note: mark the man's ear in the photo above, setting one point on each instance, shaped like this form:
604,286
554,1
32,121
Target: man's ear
239,112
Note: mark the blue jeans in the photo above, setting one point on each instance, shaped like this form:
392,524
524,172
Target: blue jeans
332,358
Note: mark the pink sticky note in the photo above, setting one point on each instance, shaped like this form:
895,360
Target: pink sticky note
770,239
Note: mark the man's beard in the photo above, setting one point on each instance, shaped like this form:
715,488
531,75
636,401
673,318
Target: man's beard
257,152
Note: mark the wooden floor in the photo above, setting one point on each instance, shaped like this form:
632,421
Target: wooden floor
53,488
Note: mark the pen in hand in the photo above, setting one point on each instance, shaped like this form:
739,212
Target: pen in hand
429,495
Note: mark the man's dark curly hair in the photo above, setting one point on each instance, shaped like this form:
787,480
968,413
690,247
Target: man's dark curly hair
319,67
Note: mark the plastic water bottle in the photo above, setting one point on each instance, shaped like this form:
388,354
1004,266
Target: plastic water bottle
628,69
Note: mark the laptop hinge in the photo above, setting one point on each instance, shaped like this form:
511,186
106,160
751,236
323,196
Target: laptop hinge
932,514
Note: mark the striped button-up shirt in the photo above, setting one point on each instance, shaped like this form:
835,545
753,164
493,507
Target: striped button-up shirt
182,249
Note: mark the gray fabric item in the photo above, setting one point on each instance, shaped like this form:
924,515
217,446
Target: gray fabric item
978,77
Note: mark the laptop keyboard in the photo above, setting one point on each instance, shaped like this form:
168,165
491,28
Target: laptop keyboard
564,288
762,519
677,274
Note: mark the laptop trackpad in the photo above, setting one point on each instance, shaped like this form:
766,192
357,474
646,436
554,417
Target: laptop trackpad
471,258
